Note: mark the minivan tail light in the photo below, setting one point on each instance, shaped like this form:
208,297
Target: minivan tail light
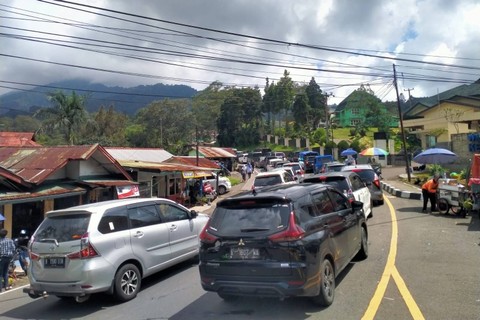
292,233
87,250
207,237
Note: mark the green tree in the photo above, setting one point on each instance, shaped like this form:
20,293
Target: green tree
268,106
107,127
68,114
317,102
206,109
284,95
165,124
24,123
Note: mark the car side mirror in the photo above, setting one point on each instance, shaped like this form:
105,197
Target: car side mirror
192,214
357,205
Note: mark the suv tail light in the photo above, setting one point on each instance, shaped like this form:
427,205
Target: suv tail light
87,250
292,233
205,236
376,182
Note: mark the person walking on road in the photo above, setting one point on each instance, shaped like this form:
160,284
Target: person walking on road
7,249
429,191
249,170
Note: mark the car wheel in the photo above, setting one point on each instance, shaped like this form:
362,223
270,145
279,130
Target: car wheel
127,282
363,253
327,285
443,206
227,297
222,190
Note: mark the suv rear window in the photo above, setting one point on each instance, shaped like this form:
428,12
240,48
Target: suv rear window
267,180
63,228
337,182
248,217
366,175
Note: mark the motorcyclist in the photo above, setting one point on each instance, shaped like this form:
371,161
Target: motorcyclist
22,247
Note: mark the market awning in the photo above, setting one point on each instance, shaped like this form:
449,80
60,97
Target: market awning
196,174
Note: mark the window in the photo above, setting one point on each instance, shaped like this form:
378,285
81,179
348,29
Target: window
339,200
322,202
431,141
357,183
355,111
114,220
63,228
169,212
143,216
355,122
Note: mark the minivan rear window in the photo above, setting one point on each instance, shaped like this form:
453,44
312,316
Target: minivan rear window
250,218
62,228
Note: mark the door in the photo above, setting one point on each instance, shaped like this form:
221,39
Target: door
183,235
149,237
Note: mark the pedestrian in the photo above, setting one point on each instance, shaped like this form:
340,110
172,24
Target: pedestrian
243,171
7,248
429,192
249,170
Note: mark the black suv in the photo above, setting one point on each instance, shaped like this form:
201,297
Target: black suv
288,240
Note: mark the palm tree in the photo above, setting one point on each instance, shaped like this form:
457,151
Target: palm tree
67,114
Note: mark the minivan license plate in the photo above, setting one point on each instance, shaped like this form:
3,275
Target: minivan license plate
244,253
57,262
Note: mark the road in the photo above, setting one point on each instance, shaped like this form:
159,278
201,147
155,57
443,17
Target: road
421,266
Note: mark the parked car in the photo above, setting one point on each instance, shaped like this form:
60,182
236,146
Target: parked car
350,183
290,240
110,247
270,178
298,169
333,166
288,169
224,183
369,175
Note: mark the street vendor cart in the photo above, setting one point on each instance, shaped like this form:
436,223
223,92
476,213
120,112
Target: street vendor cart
451,196
474,183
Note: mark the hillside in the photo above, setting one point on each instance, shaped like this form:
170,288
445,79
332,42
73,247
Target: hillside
127,100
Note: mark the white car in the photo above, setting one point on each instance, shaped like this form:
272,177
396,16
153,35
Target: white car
270,178
350,184
224,184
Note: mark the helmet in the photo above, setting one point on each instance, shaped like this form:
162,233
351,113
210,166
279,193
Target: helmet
23,232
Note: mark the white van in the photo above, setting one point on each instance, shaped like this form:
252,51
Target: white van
110,246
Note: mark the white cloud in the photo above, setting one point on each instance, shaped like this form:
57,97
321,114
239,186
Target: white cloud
428,30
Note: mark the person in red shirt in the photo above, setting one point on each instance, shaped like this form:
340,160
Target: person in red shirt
429,191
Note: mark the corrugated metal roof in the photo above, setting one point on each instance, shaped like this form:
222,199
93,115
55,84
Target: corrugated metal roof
139,154
35,164
192,161
216,152
167,167
43,192
17,139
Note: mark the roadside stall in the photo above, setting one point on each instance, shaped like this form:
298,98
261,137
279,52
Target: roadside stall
474,183
451,196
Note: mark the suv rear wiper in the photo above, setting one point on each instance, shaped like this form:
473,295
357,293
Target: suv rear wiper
49,240
254,229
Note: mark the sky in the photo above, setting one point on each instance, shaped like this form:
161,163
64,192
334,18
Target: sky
342,44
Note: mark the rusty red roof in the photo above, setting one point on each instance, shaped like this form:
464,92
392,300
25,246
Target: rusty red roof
217,152
17,139
192,161
36,163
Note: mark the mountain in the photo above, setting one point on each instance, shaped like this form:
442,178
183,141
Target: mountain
126,100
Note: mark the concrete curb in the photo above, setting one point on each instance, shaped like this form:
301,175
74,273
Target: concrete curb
401,193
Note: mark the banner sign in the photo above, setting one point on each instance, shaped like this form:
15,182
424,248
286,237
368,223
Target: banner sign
128,191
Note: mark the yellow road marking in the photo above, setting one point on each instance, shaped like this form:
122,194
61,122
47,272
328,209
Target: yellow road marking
391,271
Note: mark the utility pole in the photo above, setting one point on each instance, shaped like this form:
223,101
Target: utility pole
409,95
327,114
404,140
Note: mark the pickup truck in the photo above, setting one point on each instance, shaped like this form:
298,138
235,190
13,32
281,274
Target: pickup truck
224,184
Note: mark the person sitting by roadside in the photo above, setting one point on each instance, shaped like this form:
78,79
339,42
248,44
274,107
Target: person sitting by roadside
429,192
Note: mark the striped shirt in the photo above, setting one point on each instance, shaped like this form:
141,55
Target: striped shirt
7,247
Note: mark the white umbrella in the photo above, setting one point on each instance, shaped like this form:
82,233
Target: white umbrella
435,156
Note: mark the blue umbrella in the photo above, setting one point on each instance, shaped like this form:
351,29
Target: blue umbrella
348,152
2,218
435,156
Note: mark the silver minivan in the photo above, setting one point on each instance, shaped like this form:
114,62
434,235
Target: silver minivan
110,246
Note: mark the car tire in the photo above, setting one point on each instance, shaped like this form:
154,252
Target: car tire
326,294
363,252
127,282
227,297
222,190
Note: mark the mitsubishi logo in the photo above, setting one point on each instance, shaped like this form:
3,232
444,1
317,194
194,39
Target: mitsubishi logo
241,243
